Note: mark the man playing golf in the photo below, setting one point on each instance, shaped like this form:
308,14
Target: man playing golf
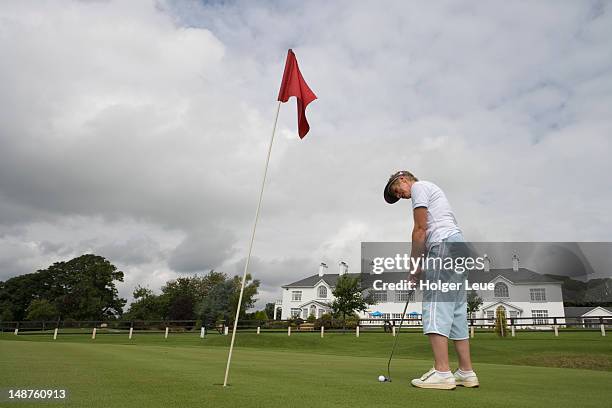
436,234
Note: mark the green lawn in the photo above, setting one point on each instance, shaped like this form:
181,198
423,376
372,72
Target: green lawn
273,370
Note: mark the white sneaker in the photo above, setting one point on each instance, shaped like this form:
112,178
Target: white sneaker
432,379
466,380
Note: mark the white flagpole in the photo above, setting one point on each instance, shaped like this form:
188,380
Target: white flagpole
246,266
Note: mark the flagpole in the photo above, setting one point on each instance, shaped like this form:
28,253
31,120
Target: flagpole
246,266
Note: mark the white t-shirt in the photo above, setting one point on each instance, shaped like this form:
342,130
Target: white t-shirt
441,222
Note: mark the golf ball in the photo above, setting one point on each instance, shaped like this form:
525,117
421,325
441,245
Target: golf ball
382,378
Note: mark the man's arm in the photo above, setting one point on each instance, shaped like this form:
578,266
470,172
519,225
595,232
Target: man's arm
418,235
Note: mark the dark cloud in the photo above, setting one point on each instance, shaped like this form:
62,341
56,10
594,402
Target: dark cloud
139,129
202,250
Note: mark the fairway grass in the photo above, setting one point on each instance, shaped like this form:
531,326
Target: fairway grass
272,370
570,350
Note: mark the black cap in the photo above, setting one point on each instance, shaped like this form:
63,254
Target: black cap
390,197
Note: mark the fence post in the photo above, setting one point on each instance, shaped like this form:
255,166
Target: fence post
472,331
226,330
202,332
131,332
16,331
258,329
393,330
322,331
55,334
513,332
93,334
289,330
357,331
556,327
166,335
602,327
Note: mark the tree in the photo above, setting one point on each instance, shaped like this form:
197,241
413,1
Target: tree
18,292
260,315
180,296
146,305
222,300
348,297
248,297
86,288
473,303
216,306
181,308
6,312
270,310
82,288
41,309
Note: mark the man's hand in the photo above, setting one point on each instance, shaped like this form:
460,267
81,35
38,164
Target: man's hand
415,277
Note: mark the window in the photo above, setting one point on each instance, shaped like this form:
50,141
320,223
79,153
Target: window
295,311
404,296
538,295
304,313
386,316
491,316
397,315
296,295
513,314
322,292
379,295
500,290
537,316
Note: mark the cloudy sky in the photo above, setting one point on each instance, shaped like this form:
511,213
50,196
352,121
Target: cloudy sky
138,130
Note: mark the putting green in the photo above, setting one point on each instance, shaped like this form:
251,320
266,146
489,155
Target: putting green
186,371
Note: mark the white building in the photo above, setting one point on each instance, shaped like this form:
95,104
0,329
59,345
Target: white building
589,317
519,292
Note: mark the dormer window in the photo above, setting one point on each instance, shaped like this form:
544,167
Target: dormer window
500,290
322,292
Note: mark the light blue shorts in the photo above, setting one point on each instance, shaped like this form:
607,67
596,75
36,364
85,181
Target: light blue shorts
446,313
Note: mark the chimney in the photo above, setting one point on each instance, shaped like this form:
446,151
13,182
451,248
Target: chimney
487,263
343,267
322,269
515,263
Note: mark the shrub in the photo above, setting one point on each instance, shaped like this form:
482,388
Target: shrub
295,321
325,320
351,321
501,325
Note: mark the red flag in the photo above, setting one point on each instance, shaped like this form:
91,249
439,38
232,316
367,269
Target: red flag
293,84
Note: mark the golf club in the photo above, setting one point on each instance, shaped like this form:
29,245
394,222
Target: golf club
388,377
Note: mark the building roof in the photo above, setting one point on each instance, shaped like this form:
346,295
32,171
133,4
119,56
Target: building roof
523,275
577,311
322,304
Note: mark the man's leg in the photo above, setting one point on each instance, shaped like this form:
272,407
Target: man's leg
439,377
439,346
463,353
